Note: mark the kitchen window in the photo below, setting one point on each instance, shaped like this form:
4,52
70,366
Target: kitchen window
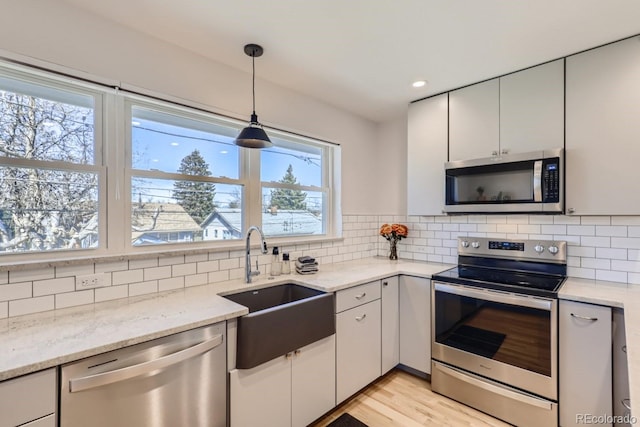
51,177
90,170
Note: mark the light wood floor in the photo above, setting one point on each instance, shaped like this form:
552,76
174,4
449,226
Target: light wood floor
402,400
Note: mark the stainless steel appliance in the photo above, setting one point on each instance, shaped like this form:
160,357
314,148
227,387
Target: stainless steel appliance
494,328
179,380
527,182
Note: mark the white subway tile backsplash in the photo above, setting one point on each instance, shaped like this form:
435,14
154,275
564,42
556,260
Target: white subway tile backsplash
72,299
53,286
30,275
170,284
136,264
581,230
611,276
184,269
14,291
602,247
611,253
143,288
156,273
111,292
595,220
31,305
128,276
611,230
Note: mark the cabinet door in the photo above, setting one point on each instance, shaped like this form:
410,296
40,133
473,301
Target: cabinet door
474,118
390,324
585,362
603,130
357,348
313,381
27,398
415,323
427,139
621,400
532,109
261,396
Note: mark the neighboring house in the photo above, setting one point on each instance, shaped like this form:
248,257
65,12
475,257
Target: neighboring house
222,224
227,223
153,223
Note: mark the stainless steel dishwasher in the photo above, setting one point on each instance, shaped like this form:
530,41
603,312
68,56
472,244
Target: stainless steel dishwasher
179,380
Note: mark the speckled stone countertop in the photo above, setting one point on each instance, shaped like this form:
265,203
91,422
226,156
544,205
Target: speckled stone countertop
34,342
38,341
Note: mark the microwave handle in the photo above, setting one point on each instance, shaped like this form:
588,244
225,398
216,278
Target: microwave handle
537,181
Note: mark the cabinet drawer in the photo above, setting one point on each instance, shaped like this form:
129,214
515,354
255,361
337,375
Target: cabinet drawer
358,295
27,398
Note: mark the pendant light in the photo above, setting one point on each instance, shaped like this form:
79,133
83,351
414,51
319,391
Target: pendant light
253,136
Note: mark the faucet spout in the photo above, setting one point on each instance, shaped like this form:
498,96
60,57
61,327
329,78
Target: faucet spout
247,257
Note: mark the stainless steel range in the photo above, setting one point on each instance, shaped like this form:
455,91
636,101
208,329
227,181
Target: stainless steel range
494,328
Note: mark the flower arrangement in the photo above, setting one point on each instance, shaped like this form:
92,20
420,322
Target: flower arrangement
393,233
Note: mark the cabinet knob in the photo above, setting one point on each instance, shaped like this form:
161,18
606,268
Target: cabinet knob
288,356
297,352
571,210
385,283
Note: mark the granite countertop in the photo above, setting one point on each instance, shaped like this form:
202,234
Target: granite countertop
39,341
34,342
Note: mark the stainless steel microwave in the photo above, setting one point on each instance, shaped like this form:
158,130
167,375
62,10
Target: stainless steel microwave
515,183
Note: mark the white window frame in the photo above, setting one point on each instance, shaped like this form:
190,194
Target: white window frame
112,164
51,83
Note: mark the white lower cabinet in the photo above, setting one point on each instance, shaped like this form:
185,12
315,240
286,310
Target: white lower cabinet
30,400
390,333
358,343
585,366
292,390
415,323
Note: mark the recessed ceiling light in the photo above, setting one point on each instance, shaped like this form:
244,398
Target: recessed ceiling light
419,83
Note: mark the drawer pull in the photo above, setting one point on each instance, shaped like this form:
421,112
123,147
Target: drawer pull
590,319
362,295
385,283
624,348
626,403
361,318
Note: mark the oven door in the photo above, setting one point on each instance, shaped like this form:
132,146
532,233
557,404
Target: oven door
508,337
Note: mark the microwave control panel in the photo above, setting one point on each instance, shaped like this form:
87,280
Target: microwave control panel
551,180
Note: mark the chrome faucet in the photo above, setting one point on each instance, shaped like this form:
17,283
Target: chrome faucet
248,274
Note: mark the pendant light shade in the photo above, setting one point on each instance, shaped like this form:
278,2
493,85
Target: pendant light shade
253,136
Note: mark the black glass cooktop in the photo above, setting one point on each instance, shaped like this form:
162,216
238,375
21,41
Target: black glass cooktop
507,280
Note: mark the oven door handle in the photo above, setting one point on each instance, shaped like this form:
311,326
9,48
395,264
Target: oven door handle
491,295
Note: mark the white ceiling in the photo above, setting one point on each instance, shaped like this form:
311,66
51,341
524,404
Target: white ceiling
363,55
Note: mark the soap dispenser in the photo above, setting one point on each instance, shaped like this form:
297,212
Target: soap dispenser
276,265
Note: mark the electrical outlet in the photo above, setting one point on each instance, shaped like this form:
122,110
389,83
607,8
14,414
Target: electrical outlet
89,281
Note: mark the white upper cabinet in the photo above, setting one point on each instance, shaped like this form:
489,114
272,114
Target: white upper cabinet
532,109
474,117
516,113
426,155
603,130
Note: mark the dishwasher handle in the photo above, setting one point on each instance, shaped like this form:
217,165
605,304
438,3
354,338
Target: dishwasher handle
97,380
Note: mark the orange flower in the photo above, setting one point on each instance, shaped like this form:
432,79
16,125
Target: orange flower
385,230
398,231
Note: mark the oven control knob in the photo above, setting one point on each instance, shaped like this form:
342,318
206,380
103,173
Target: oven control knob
538,248
553,249
475,245
465,244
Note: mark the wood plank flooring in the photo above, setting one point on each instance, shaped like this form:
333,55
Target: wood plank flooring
402,400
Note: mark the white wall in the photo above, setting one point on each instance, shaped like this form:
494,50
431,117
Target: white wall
57,33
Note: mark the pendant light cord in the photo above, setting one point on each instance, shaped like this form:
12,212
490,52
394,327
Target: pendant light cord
253,62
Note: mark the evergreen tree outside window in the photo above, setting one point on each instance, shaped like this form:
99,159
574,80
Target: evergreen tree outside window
286,198
196,198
